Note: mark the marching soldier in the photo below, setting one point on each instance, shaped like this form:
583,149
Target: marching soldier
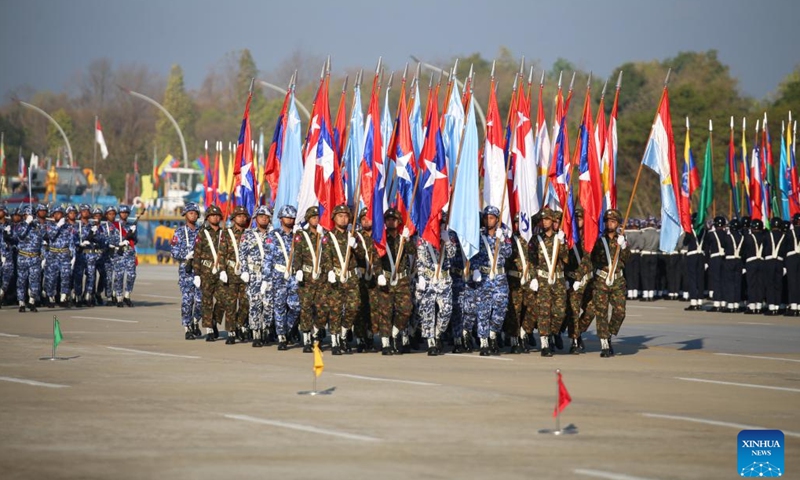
434,287
753,254
254,254
206,265
548,254
105,273
774,269
518,324
608,261
125,272
28,235
311,287
733,266
6,254
343,303
578,272
715,246
182,248
286,303
366,326
791,254
694,268
60,256
234,297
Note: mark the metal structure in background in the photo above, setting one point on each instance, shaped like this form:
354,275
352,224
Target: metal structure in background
283,91
53,121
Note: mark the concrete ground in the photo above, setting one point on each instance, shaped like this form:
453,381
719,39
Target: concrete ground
138,401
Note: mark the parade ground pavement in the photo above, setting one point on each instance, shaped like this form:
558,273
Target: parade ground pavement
137,401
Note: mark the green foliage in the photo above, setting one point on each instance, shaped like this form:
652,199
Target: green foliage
180,105
55,142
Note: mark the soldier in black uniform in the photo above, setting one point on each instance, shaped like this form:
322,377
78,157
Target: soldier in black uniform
791,258
715,247
753,254
694,268
773,266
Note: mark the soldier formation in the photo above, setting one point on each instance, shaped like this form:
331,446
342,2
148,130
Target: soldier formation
299,283
72,257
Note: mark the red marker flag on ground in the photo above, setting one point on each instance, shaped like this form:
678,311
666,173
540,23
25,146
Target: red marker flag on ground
563,397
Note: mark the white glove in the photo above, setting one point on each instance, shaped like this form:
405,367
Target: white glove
223,275
94,228
706,266
351,240
744,270
498,233
85,243
245,276
297,227
196,281
299,275
621,241
8,229
133,228
2,260
61,222
576,286
421,284
190,255
320,230
560,236
263,288
331,277
476,275
28,219
406,233
535,285
72,263
43,263
381,280
123,243
784,272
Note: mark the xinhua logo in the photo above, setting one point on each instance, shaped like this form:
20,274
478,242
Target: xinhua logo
760,453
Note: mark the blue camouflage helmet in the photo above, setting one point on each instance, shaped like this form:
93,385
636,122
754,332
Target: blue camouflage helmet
41,207
27,210
287,211
85,206
111,208
97,211
263,210
71,209
190,207
490,210
57,209
124,209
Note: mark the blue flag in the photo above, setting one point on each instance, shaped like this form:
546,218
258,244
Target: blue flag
415,119
354,151
291,162
465,206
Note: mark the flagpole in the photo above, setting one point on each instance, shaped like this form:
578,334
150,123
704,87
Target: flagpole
53,356
503,199
396,125
558,410
711,145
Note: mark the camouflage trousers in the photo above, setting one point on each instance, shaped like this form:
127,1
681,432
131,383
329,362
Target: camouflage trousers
366,324
551,306
580,310
468,300
311,293
211,289
234,302
57,274
393,307
604,296
435,308
340,305
259,306
491,301
286,304
520,314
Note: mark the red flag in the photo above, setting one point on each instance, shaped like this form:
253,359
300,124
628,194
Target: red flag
401,150
328,179
272,168
590,181
340,127
563,397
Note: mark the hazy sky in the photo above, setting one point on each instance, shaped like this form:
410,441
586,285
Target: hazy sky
46,43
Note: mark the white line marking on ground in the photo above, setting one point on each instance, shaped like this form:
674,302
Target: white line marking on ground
748,385
158,296
645,306
145,352
737,426
9,335
456,355
143,283
303,428
378,379
754,323
608,475
33,382
107,319
759,357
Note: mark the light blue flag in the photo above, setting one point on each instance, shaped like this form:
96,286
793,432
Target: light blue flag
387,125
465,206
453,124
656,156
354,150
416,121
291,163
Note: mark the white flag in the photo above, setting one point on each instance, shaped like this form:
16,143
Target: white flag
98,137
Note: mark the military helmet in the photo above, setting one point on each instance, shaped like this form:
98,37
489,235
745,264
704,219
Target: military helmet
392,213
85,206
111,208
57,209
311,212
579,212
735,224
796,219
240,210
719,221
190,207
97,211
3,208
775,222
756,225
27,210
263,210
613,214
213,210
41,207
124,209
491,210
287,211
363,213
343,208
71,209
745,222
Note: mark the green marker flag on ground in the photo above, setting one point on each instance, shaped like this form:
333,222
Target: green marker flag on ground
57,337
706,189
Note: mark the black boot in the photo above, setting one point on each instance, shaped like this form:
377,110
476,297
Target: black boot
210,337
307,348
466,341
127,301
457,347
257,343
494,347
398,344
432,352
189,335
581,346
559,342
573,349
231,340
22,309
282,346
546,352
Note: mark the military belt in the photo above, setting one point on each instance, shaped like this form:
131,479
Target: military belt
488,270
58,250
28,254
694,252
348,274
308,268
718,254
545,274
792,253
604,275
206,263
280,268
774,257
93,251
753,258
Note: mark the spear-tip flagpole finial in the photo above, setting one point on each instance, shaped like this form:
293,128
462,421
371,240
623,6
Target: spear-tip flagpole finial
378,68
328,65
471,71
493,65
322,72
344,85
419,69
765,120
790,117
541,80
455,68
441,74
252,83
783,125
589,80
430,83
514,88
744,124
605,85
560,76
666,80
572,82
405,72
530,76
389,83
687,123
206,145
522,65
619,80
710,126
757,125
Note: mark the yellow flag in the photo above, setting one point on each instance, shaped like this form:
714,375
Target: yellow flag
318,365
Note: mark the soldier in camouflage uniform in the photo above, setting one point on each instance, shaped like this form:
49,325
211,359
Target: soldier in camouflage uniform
286,303
462,320
519,318
311,287
340,254
206,265
394,307
608,284
60,257
6,253
234,291
435,293
366,326
578,272
182,250
253,250
548,256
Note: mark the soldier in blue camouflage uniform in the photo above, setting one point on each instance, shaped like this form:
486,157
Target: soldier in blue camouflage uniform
286,304
89,247
462,320
489,274
6,257
182,249
60,257
28,236
435,293
110,231
253,250
103,263
127,263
